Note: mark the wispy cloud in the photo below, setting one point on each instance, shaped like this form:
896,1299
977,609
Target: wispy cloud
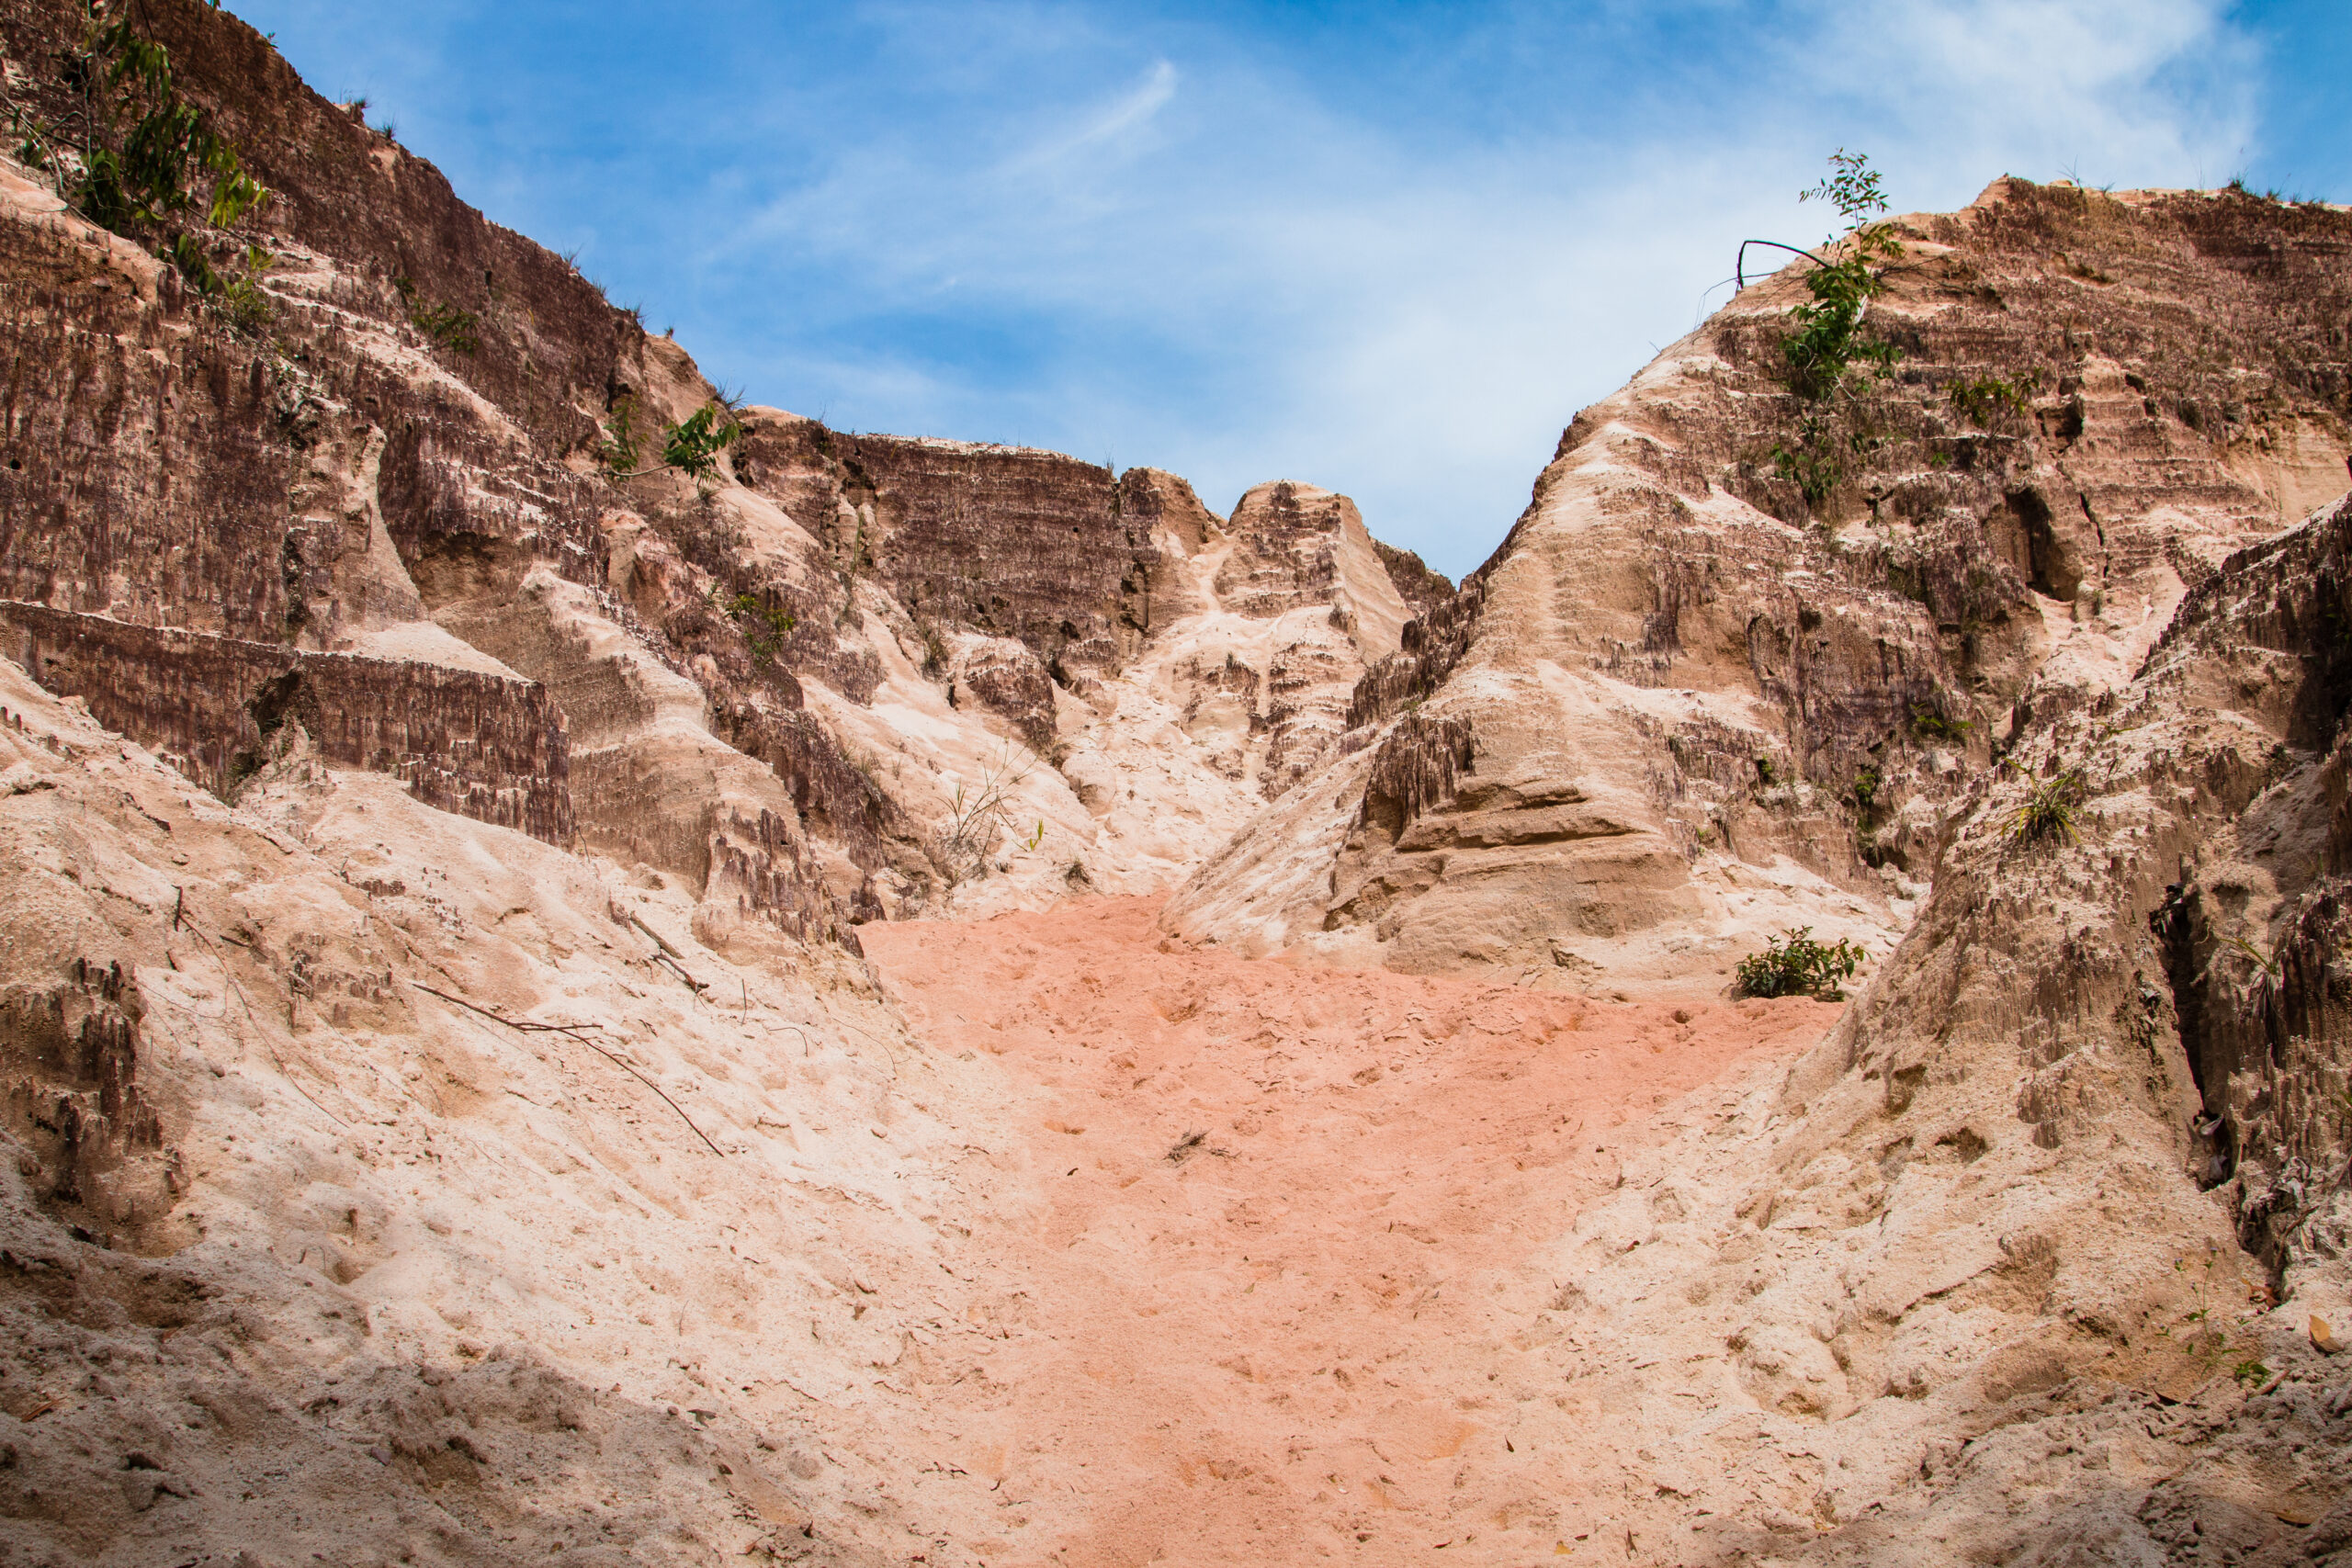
1128,111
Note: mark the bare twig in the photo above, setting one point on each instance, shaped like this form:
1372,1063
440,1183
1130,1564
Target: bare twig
529,1026
887,1055
978,814
659,940
283,1070
669,954
1739,263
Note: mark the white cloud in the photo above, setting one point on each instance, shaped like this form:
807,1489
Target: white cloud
1131,109
2130,90
1331,298
1392,254
1187,243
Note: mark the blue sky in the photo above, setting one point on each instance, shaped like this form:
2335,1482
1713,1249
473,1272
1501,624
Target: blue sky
1390,249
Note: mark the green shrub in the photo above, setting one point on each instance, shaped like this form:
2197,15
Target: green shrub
691,446
1828,340
2048,811
1815,473
453,329
1928,724
242,305
764,629
150,167
1797,966
1983,399
694,443
1866,780
617,451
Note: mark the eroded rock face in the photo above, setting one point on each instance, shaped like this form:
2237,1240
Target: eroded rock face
2087,1101
445,1103
490,746
1746,647
794,668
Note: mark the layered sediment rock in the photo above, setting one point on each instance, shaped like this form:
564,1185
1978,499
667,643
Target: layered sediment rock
491,747
451,1118
2051,1178
439,462
1747,645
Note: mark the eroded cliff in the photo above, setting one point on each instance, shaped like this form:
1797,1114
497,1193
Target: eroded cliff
506,1053
1748,643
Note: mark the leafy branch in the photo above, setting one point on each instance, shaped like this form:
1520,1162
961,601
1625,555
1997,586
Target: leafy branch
694,443
764,628
146,163
1984,399
691,446
1828,341
456,329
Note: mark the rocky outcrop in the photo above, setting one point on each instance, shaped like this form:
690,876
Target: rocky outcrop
489,746
438,466
1761,641
2058,1209
1420,588
2100,1051
70,1051
1004,541
399,759
2247,695
223,1031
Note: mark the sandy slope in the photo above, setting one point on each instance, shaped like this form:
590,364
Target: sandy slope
1308,1331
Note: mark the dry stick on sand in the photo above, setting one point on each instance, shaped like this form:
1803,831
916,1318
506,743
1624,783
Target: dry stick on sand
889,1056
527,1026
675,959
179,920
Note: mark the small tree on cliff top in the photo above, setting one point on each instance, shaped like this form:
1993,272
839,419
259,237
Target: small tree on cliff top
1828,340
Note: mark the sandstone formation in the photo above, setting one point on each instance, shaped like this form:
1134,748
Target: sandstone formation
1693,703
560,1004
774,683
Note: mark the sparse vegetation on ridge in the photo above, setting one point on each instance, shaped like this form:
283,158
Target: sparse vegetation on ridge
143,162
1829,346
1443,936
691,446
1829,341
